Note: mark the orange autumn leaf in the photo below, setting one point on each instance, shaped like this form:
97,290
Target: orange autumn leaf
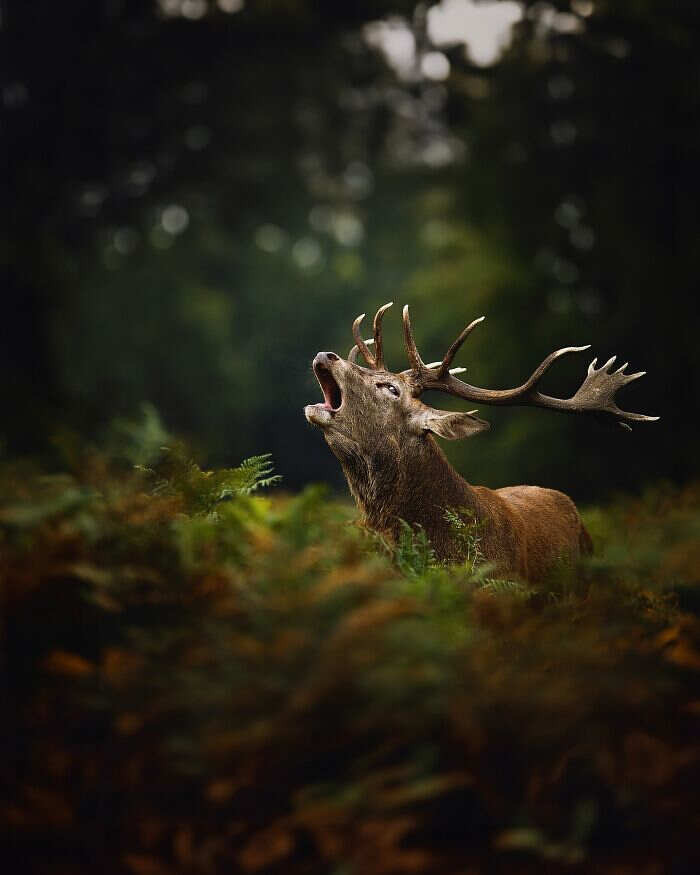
119,665
267,847
68,664
140,864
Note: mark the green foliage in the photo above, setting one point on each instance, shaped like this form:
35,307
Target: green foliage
172,471
139,440
202,678
413,553
176,474
467,531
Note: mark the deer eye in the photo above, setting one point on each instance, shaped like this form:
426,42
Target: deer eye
390,388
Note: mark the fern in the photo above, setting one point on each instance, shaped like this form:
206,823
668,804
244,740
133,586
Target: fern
413,554
197,641
466,529
258,471
499,586
140,441
179,476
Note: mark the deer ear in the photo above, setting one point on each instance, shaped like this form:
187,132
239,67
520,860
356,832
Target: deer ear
450,425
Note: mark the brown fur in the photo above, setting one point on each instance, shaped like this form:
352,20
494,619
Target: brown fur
396,471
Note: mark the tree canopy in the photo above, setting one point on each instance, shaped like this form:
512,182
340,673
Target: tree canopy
203,194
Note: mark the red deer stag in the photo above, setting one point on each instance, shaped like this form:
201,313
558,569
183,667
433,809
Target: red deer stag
382,434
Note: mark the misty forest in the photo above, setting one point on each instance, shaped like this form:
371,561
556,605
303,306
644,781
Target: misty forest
251,618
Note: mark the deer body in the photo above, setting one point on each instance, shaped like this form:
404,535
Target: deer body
522,529
382,434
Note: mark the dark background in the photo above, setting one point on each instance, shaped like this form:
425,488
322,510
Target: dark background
200,195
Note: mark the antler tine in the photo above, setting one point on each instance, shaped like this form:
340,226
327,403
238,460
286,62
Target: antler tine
362,346
452,370
414,358
352,355
452,351
378,344
542,369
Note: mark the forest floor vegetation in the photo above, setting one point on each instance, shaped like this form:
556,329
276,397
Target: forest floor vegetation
200,676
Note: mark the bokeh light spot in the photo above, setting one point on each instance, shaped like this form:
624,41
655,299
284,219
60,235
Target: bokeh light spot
347,229
125,240
194,9
358,179
568,213
396,42
618,47
174,219
270,238
91,199
563,132
138,178
437,153
584,8
306,253
560,87
484,28
230,6
435,65
565,271
170,8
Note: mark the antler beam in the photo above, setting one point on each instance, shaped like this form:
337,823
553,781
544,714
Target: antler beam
596,395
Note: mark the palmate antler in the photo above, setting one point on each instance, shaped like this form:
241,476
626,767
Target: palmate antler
596,394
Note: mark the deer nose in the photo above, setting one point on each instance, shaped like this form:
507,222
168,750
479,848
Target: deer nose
325,358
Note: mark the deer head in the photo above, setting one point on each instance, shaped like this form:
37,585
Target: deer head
372,413
370,409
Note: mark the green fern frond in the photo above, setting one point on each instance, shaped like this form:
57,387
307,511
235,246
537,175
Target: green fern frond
178,475
413,554
255,473
467,531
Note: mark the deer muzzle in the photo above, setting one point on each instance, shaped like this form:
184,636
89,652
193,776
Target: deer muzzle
324,365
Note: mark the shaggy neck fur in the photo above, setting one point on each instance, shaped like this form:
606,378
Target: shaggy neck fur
415,483
524,530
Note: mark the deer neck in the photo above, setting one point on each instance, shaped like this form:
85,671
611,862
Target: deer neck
414,483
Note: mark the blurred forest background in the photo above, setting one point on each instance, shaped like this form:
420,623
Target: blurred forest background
202,194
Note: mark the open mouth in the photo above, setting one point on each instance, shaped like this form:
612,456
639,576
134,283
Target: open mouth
332,396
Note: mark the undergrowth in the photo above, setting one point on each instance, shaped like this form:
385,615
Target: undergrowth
202,678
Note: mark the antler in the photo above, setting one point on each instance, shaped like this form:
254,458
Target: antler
595,395
376,361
